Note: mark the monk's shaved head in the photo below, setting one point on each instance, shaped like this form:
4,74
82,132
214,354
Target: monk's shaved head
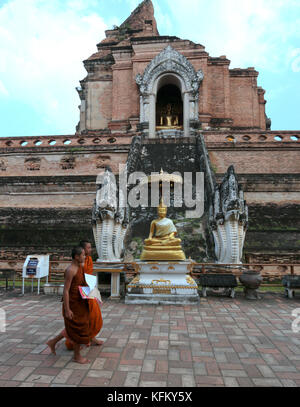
83,243
76,251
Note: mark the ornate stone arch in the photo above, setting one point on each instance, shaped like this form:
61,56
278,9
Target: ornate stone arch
169,62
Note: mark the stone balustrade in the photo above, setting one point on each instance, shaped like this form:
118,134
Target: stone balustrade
250,137
210,136
65,141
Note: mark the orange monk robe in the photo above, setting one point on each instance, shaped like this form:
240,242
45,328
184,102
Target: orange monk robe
95,316
77,329
96,321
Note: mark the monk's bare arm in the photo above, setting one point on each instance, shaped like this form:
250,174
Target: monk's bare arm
70,273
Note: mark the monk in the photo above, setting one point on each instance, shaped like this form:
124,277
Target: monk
95,322
75,309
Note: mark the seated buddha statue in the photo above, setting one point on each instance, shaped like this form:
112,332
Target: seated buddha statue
167,119
162,243
169,116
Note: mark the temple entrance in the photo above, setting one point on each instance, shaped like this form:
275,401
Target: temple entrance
169,108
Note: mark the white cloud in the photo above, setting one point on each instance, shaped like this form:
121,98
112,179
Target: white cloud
3,90
251,33
42,47
295,60
43,43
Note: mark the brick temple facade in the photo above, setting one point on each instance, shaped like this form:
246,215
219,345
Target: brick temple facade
169,91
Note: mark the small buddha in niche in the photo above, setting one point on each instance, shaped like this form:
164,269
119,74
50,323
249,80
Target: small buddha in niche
169,115
169,118
162,243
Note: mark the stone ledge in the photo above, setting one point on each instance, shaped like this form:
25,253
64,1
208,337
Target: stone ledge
53,289
157,299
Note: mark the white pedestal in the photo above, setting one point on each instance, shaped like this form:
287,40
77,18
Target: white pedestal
163,282
115,269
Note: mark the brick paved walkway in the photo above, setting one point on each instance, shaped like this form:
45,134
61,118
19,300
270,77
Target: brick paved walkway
220,342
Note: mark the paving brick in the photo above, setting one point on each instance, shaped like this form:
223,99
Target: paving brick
188,380
37,378
98,363
130,368
233,373
76,377
213,344
174,380
216,381
95,382
63,376
277,368
288,375
252,371
245,382
201,369
265,371
118,379
132,379
176,370
144,383
111,364
23,373
148,366
267,382
220,357
100,373
62,361
162,366
231,382
47,371
288,383
10,373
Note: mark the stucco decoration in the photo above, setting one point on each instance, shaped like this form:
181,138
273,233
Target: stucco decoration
171,62
229,220
109,219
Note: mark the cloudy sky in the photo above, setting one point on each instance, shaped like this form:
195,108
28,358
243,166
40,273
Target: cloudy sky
43,44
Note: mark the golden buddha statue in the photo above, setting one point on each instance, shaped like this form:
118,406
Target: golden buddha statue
169,116
162,243
168,119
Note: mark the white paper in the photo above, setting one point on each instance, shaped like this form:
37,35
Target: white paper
90,280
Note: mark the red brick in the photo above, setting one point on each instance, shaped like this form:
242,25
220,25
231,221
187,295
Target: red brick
212,369
217,381
162,366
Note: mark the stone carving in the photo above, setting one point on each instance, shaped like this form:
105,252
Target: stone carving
109,219
228,219
33,164
102,161
170,60
134,154
3,165
67,163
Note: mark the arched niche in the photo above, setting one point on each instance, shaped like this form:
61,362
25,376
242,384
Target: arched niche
169,103
166,69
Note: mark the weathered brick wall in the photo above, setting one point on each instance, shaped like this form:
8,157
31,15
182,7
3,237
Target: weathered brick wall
51,213
243,99
246,160
215,85
81,156
99,106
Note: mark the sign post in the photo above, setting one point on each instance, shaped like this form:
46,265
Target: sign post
35,266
